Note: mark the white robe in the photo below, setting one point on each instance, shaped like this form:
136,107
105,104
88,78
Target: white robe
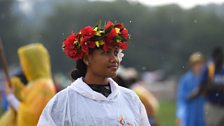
79,105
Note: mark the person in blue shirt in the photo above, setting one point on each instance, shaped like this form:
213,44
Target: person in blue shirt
190,113
212,86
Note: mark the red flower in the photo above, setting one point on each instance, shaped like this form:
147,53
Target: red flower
123,45
69,46
124,33
109,23
87,33
87,45
70,51
109,37
71,37
78,55
118,26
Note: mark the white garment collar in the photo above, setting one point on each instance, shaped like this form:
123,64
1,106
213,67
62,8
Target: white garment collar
83,89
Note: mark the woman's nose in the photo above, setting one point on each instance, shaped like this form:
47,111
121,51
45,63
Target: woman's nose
114,58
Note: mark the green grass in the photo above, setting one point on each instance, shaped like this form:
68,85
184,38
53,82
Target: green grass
166,115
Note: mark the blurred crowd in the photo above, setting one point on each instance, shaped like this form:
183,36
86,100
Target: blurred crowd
200,92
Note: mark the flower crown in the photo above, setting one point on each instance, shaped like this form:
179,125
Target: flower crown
77,45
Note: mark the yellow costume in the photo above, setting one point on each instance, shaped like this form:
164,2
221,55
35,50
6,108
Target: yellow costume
149,101
35,63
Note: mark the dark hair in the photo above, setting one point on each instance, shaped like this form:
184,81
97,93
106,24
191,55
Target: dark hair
81,67
217,55
20,74
22,77
80,70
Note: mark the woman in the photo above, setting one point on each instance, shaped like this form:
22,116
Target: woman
94,99
28,101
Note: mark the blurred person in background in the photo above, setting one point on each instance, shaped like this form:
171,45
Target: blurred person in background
129,78
94,98
27,101
212,86
16,73
190,112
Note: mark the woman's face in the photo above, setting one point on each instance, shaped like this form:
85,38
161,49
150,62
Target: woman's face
197,67
104,64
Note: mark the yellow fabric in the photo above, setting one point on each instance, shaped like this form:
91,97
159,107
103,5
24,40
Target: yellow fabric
8,118
18,86
35,98
211,70
35,61
150,102
40,88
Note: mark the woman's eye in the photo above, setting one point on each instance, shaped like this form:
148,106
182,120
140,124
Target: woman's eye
116,52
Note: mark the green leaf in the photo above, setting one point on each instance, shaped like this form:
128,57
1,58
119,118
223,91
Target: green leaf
98,25
109,29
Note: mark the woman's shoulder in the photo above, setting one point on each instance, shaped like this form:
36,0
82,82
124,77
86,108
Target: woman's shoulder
58,100
122,90
128,92
125,90
63,94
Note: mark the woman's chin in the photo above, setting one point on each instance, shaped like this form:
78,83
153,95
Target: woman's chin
112,74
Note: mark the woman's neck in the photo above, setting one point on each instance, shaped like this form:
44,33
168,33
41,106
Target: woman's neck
95,80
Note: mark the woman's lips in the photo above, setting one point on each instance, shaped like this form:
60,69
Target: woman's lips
113,67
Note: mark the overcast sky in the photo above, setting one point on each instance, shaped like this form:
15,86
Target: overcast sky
182,3
26,5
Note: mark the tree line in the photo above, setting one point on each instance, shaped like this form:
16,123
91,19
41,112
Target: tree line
161,37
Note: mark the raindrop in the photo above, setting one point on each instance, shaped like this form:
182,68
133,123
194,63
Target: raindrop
217,94
144,68
195,21
130,21
183,67
63,34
